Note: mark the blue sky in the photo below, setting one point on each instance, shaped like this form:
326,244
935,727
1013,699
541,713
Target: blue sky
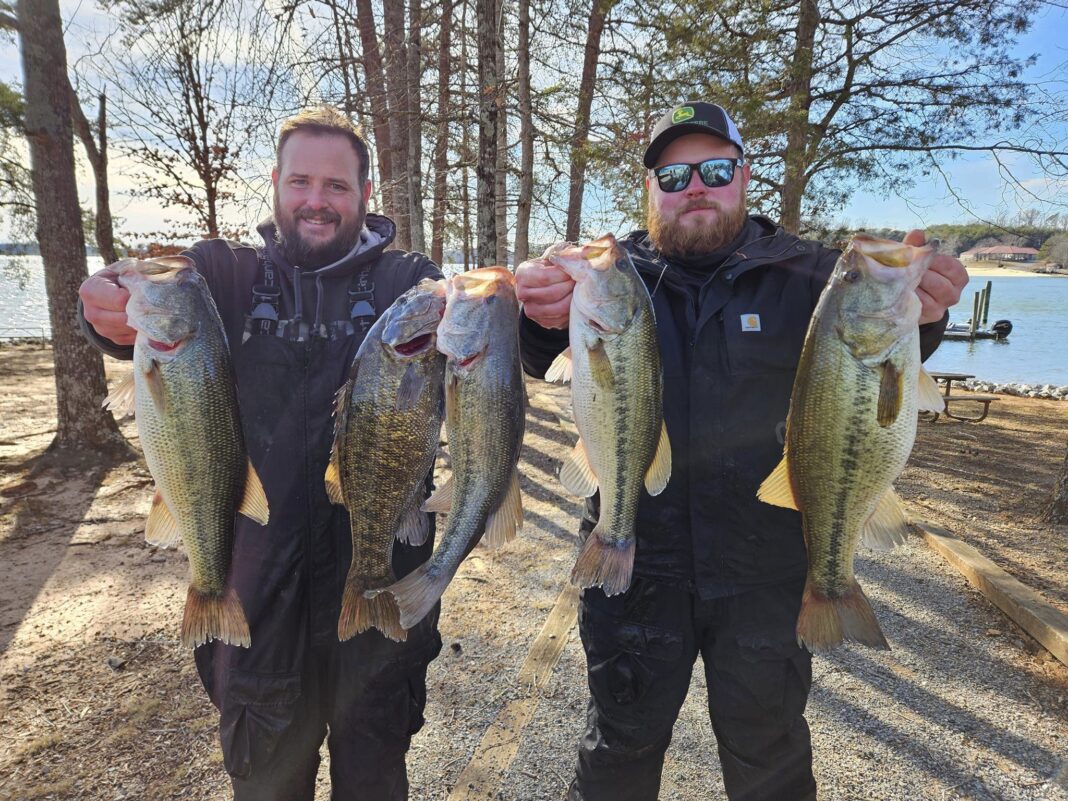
984,193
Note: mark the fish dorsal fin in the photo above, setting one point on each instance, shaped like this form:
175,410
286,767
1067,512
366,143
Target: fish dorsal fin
887,527
601,366
414,526
502,524
656,477
891,389
411,387
776,489
254,504
441,500
120,401
560,370
332,478
154,382
929,397
576,473
161,529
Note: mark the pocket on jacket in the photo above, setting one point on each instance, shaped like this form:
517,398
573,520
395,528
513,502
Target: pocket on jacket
257,709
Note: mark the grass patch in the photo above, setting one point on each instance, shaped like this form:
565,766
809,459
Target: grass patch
42,744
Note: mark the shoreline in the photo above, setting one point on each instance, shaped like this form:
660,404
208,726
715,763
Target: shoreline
991,271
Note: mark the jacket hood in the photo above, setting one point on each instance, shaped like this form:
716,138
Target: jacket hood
377,234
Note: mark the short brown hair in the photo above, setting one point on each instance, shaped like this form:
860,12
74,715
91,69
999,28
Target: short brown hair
326,120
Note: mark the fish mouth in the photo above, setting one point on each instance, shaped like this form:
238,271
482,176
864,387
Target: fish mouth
413,347
464,363
166,348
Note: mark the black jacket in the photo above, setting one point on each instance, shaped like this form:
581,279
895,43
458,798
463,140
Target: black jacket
730,331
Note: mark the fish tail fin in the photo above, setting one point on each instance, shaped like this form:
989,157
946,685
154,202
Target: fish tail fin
360,613
824,622
605,564
214,617
417,593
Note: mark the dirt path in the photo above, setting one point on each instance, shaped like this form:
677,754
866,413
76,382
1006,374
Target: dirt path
98,701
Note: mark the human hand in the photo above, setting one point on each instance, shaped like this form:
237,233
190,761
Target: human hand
545,292
941,285
104,305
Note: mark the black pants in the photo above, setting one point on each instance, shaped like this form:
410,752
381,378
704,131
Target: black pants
640,650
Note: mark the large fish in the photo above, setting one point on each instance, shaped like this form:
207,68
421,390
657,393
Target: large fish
183,395
385,439
484,414
850,429
616,391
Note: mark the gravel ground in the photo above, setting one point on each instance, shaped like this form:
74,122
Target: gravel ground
99,702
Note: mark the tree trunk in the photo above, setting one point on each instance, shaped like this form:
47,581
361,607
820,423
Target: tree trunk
488,86
501,187
797,126
579,139
415,124
79,368
441,145
526,137
375,81
97,153
396,52
1057,512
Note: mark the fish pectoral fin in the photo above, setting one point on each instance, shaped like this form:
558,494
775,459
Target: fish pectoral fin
120,401
891,389
576,473
332,479
928,395
414,526
161,529
560,370
776,489
154,382
411,387
601,366
441,500
656,477
502,524
254,504
888,527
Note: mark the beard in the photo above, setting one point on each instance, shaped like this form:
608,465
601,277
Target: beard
672,238
300,252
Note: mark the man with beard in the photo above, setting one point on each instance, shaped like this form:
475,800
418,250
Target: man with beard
716,572
295,310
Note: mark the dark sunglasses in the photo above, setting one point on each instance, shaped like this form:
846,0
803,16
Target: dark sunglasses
713,172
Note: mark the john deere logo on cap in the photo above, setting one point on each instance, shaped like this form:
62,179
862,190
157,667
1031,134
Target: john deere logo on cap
682,114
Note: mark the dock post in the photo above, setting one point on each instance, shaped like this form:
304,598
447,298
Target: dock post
976,309
986,301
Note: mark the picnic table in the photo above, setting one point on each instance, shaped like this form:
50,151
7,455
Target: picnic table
946,381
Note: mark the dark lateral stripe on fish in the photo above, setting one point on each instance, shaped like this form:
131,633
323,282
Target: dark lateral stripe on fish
849,466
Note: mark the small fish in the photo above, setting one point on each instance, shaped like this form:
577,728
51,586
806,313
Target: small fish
387,427
851,427
613,364
484,419
183,395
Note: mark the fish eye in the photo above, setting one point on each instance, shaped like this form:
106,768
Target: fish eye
852,275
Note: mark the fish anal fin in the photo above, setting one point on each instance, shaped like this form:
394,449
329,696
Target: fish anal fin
929,397
441,500
121,400
502,524
254,504
656,477
414,526
887,527
576,473
777,489
161,529
891,390
560,370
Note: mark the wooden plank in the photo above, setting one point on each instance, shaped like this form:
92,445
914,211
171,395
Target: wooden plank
1029,610
485,773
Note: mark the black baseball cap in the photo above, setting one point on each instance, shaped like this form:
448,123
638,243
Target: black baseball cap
692,117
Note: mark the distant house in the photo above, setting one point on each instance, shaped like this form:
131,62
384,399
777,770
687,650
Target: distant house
999,253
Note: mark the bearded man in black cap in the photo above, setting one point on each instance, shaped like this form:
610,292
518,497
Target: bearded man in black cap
716,571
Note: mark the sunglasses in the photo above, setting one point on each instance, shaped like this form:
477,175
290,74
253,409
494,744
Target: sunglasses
713,172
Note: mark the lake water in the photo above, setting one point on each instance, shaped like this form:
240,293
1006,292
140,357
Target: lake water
1035,353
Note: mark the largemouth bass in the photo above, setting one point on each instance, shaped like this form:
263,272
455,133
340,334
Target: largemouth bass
183,395
850,429
385,439
616,391
484,419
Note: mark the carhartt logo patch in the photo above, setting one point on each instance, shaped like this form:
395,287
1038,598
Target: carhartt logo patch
750,322
682,114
